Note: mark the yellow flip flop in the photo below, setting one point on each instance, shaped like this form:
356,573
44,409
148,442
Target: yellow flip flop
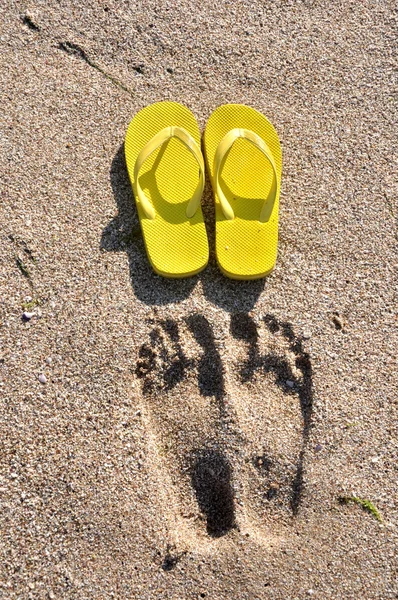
166,170
244,159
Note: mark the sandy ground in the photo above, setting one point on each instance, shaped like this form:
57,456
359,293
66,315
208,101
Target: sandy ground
192,439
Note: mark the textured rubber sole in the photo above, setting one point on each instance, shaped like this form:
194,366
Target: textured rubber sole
245,248
176,246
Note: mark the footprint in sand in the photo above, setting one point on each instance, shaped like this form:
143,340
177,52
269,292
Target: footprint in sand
231,417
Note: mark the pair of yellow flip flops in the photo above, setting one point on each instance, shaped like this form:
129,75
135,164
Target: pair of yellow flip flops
166,169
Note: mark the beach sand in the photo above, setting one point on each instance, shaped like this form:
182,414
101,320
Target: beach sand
194,439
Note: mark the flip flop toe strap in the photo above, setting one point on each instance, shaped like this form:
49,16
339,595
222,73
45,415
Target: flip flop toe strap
158,140
221,153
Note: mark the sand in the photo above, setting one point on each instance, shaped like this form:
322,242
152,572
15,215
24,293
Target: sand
193,439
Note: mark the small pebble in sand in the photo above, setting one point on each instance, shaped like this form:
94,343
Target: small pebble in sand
42,378
338,321
318,447
306,334
27,315
290,383
49,360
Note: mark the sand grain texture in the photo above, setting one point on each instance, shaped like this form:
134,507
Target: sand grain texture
192,438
